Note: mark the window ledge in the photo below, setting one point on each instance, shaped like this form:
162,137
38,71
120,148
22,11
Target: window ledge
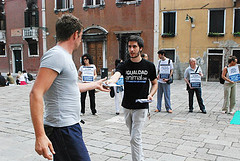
236,34
56,11
213,34
33,56
168,35
86,7
120,4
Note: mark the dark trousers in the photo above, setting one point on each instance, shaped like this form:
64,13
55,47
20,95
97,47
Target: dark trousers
92,101
68,143
198,92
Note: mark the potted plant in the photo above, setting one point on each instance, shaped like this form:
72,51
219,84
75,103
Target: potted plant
170,34
215,34
236,34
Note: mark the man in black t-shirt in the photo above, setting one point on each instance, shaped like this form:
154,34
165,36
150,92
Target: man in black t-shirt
136,72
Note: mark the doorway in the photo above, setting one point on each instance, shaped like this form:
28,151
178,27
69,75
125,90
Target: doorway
95,49
214,67
17,56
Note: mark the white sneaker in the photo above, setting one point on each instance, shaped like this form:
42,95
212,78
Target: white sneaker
223,112
81,114
232,112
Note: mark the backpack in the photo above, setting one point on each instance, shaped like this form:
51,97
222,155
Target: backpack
221,80
30,77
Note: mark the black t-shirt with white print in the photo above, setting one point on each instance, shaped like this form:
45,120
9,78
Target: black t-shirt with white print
136,82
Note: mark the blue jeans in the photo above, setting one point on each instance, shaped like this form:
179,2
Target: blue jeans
198,92
163,88
67,143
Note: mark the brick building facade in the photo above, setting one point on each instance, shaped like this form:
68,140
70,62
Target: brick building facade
20,38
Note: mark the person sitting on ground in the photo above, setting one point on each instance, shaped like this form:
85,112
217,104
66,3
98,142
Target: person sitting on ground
10,79
2,80
30,77
25,75
20,79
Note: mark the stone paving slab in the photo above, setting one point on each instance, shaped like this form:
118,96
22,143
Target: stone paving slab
180,136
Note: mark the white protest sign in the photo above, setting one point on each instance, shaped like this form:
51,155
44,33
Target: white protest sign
164,71
234,73
88,74
195,80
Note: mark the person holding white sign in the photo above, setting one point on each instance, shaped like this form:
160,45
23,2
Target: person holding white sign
192,77
118,90
165,71
87,73
230,85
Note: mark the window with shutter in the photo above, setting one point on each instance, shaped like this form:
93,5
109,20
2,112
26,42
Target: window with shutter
31,18
2,49
170,53
33,48
26,18
237,54
236,21
93,2
169,24
216,21
62,4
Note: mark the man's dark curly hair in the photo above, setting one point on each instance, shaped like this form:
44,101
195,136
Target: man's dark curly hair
89,57
66,26
162,52
231,58
138,39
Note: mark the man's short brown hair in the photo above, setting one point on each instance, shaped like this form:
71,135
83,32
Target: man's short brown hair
66,26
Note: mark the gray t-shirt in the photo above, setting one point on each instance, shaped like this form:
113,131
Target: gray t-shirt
62,100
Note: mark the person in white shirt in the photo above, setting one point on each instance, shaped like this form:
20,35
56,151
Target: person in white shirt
229,88
87,73
165,72
25,76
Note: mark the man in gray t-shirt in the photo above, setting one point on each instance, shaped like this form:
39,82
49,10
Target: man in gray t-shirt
57,83
192,77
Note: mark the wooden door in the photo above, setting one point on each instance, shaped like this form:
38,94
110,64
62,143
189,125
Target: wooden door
95,50
214,67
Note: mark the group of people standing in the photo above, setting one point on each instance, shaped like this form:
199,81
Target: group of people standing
59,130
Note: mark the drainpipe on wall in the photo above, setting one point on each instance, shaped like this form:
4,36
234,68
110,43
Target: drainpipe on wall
156,31
44,27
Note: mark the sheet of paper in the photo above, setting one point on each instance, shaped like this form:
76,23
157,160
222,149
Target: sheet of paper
110,85
143,100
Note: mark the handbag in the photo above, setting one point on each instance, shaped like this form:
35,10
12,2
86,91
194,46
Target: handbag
170,80
112,94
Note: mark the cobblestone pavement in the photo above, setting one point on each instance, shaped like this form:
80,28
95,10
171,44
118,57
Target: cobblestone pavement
180,136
